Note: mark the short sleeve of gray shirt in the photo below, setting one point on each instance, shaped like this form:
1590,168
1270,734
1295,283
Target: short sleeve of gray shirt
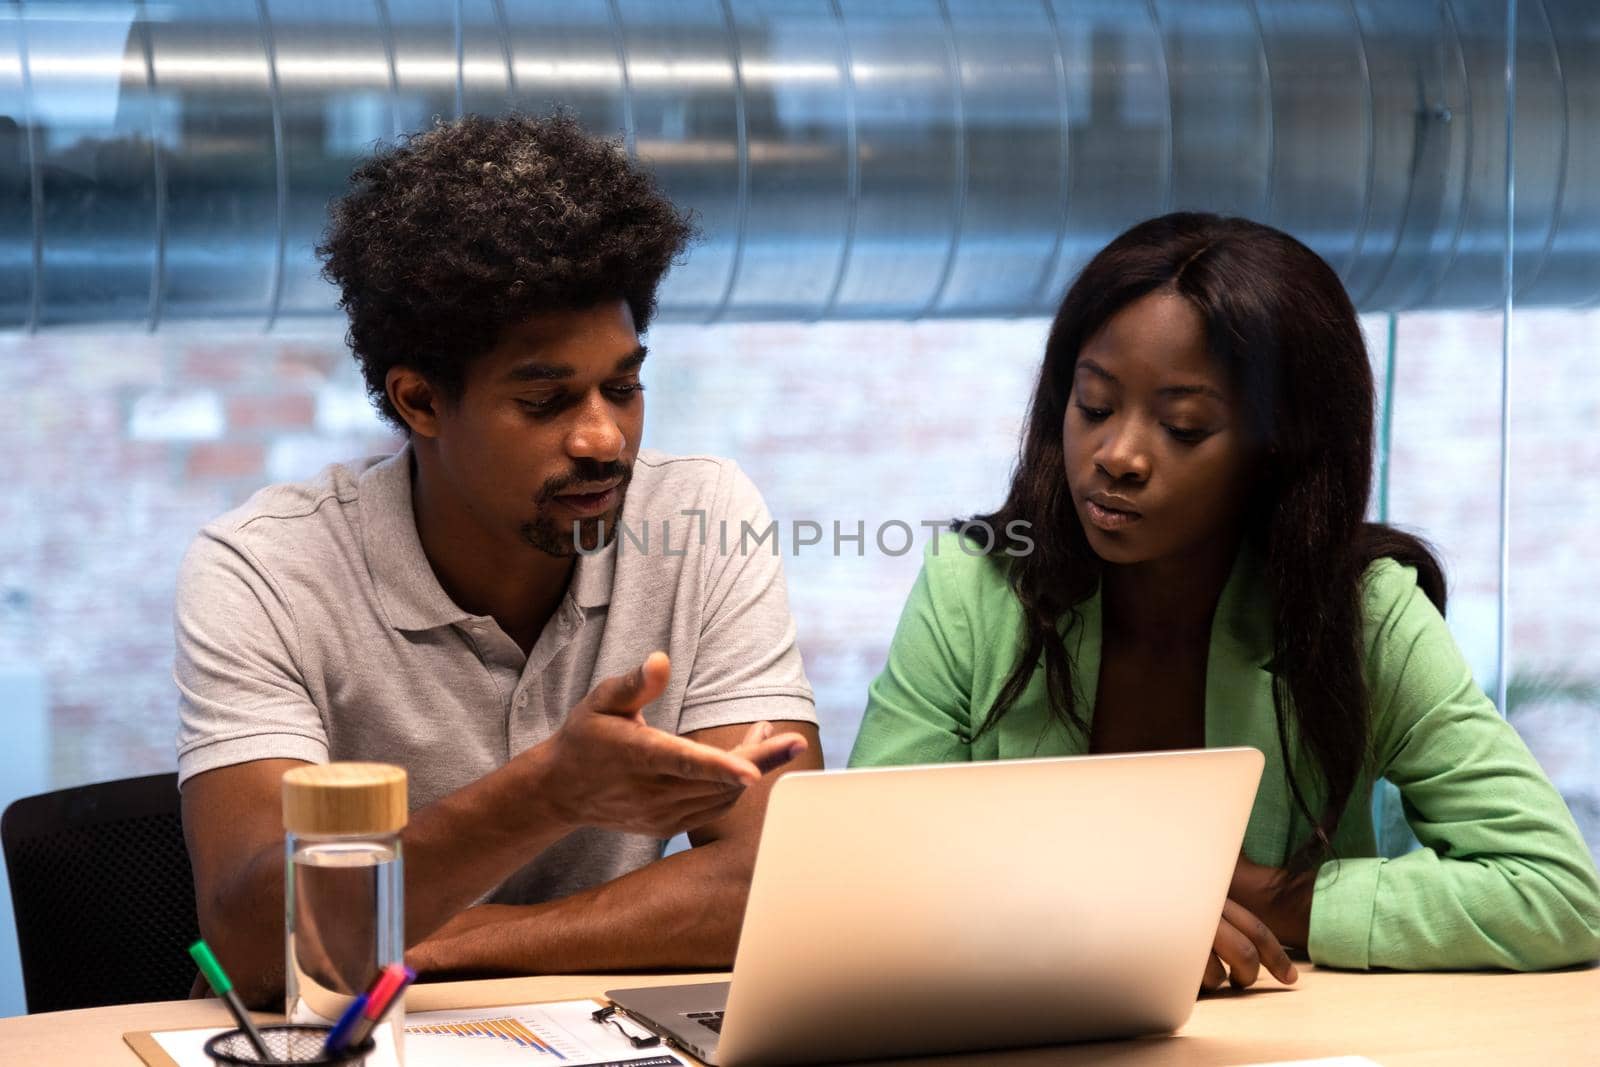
311,627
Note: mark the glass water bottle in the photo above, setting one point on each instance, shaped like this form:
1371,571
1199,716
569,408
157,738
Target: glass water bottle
344,905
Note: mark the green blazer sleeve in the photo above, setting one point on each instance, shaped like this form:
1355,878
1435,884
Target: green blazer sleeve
918,708
1503,878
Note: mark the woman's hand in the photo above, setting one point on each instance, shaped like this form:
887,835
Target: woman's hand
1244,944
1281,900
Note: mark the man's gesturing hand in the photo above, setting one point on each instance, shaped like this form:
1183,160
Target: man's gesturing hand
606,767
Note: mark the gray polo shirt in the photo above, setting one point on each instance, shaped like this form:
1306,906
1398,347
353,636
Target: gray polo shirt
310,626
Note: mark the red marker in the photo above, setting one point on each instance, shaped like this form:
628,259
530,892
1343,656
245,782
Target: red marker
380,998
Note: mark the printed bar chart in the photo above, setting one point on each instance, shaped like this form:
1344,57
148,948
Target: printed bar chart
561,1032
504,1029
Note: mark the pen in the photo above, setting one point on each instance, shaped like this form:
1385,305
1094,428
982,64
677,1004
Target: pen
383,995
217,978
339,1037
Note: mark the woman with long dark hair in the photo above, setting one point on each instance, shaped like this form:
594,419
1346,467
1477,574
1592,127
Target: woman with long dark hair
1183,561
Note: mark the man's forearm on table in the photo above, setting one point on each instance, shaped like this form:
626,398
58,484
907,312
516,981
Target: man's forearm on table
464,844
455,850
679,913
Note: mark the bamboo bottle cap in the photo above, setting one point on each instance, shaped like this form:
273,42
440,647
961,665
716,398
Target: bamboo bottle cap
344,798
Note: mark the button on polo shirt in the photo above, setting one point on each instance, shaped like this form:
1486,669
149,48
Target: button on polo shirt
311,626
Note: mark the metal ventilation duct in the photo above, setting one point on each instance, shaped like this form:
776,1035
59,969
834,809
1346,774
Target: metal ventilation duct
846,157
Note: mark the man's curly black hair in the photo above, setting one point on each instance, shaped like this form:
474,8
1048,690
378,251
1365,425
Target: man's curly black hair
462,230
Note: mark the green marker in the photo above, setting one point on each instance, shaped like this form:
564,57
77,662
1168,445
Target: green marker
217,978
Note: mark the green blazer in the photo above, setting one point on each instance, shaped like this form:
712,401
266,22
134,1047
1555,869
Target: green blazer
1503,878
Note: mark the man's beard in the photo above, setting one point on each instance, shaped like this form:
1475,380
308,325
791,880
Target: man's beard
563,539
555,539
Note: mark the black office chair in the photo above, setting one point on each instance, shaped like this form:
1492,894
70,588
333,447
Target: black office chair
103,894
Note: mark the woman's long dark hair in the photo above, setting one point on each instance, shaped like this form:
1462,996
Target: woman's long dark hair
1278,320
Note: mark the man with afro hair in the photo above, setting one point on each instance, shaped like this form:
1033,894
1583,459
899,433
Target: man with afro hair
534,617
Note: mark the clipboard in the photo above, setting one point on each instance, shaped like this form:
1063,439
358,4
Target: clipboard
567,1031
148,1049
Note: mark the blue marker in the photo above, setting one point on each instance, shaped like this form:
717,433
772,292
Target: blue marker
339,1036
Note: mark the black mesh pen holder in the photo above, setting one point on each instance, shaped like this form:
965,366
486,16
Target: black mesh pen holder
287,1044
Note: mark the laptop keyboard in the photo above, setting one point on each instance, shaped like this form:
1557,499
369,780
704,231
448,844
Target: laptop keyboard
711,1020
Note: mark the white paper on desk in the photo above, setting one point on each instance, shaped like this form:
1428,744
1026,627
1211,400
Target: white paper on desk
563,1033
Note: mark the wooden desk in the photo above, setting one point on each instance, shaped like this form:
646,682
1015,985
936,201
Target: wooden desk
1549,1020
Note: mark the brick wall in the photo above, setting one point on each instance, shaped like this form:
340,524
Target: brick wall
125,444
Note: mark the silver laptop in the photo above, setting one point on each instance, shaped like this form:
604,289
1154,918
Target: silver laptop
909,910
